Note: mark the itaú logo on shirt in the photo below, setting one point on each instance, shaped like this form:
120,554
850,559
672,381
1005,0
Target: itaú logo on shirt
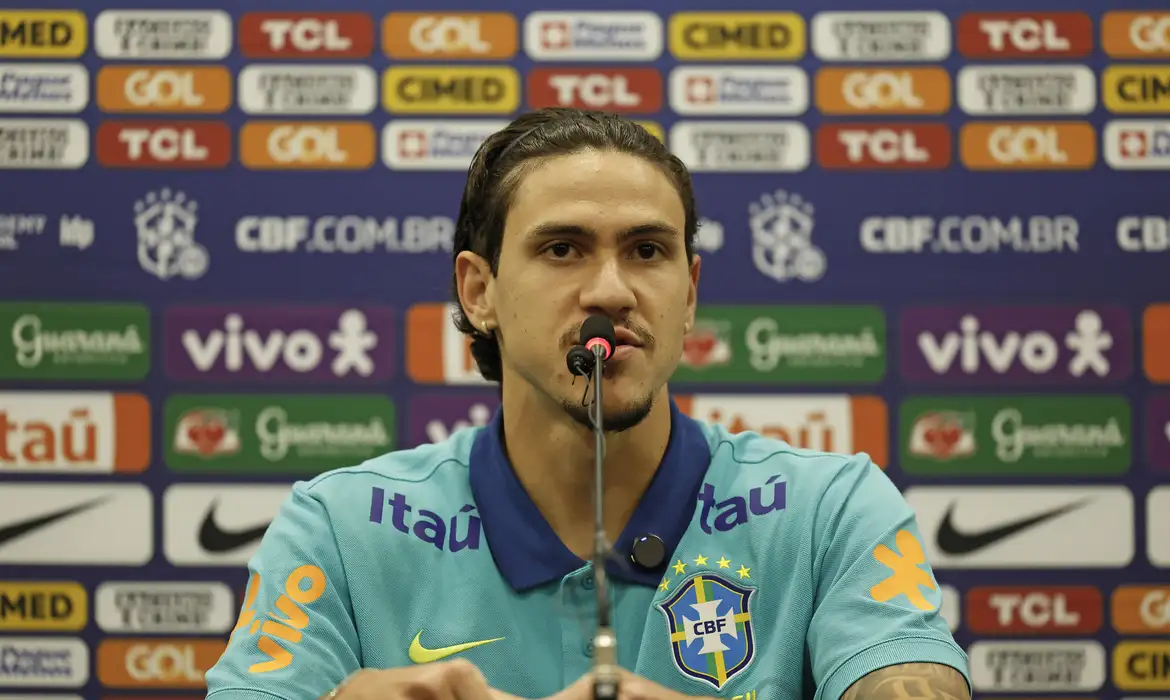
771,497
427,526
283,627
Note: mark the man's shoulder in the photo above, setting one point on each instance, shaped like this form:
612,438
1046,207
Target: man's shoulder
750,456
441,468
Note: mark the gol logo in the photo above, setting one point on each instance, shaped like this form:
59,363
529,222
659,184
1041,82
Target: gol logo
301,35
1134,88
1028,146
48,606
289,625
450,35
177,144
884,146
307,145
883,91
623,90
156,663
1141,610
164,89
737,35
41,34
451,90
1142,666
1136,34
1025,34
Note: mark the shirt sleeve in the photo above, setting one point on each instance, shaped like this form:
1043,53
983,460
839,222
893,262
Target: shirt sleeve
295,637
877,601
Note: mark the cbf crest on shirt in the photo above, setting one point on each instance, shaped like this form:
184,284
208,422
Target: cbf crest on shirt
709,620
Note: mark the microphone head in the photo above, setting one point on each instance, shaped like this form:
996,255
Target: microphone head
598,330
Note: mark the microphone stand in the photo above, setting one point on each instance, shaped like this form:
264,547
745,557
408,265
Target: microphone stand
605,663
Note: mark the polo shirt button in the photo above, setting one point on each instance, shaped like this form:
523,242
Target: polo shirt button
588,649
587,582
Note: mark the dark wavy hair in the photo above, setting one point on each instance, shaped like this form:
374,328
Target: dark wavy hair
502,161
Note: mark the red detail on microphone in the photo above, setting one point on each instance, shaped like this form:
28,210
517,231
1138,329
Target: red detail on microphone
600,341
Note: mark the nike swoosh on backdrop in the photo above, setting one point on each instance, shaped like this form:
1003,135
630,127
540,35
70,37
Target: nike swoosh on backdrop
421,655
216,540
952,541
17,530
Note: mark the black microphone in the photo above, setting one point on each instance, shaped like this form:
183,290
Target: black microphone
598,341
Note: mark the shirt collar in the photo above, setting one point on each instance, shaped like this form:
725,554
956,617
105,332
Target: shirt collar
528,551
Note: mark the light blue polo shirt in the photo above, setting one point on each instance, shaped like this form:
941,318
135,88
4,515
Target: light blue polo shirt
790,573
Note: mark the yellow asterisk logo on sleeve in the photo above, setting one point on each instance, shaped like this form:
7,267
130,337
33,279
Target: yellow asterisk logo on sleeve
906,577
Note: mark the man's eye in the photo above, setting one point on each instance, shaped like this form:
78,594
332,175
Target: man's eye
560,250
647,251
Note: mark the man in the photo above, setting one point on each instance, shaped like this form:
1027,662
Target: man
459,571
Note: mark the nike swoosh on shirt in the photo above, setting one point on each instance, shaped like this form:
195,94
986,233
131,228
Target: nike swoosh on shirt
421,655
951,541
216,540
17,530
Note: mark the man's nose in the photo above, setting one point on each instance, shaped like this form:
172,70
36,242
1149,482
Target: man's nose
608,290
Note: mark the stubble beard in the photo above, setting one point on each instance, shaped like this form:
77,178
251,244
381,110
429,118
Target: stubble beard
618,421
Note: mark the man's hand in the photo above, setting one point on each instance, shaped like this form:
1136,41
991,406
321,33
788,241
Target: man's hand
457,679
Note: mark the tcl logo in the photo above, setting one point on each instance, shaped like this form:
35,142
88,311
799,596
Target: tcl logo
1025,34
131,663
1064,610
902,91
449,35
998,146
1136,34
203,89
294,34
192,144
631,90
893,146
310,145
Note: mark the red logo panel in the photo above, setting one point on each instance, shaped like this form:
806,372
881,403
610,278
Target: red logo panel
624,90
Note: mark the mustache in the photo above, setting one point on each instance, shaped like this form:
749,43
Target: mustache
572,336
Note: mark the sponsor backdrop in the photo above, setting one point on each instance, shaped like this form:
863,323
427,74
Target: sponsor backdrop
933,234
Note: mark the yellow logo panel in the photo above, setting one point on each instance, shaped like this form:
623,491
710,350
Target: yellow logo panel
51,606
737,35
1131,89
42,34
1141,666
451,90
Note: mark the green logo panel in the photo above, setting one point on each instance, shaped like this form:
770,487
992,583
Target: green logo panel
816,344
275,433
49,340
1016,435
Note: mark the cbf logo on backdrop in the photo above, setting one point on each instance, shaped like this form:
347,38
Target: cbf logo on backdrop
782,246
710,625
167,248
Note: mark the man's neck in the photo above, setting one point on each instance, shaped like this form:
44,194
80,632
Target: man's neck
553,457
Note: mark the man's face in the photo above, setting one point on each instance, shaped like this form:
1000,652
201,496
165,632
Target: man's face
595,233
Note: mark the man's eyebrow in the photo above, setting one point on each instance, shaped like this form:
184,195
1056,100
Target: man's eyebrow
559,229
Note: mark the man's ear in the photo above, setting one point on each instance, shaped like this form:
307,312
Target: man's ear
693,292
474,281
